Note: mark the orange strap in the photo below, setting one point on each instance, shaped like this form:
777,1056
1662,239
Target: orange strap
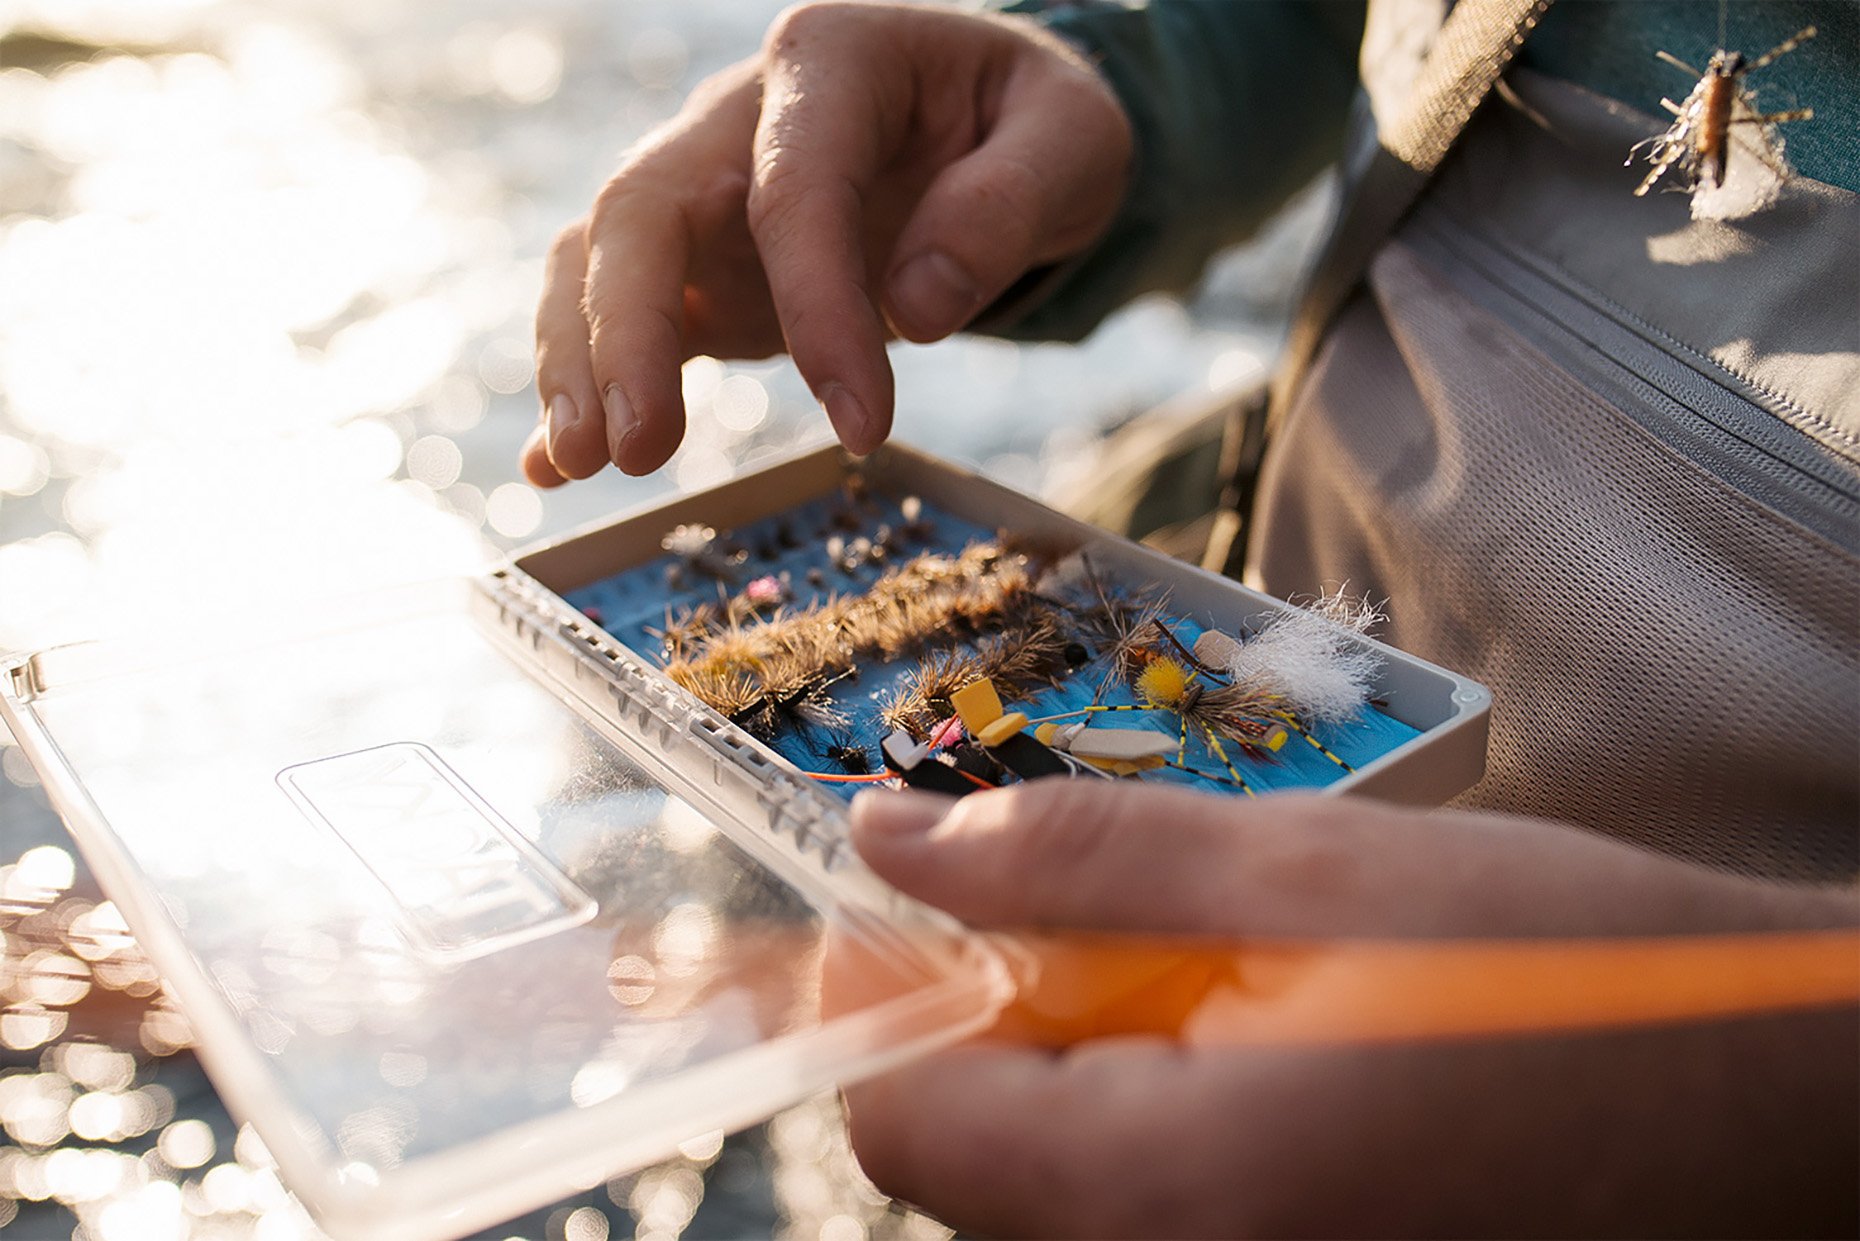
1377,991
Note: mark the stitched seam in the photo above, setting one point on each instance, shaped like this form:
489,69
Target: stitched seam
1755,504
1804,415
1772,518
1580,289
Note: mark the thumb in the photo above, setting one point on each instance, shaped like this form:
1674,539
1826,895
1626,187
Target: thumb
1087,854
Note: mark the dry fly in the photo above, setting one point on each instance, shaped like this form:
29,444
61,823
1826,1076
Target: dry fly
1698,142
846,754
1019,661
724,690
1022,659
767,671
740,646
685,632
1124,629
792,695
922,697
1249,712
1210,711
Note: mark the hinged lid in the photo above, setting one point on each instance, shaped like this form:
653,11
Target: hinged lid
452,944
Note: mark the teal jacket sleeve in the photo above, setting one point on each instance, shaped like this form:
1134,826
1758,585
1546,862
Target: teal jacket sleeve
1235,105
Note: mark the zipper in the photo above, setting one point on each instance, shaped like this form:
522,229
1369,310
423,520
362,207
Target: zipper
1747,438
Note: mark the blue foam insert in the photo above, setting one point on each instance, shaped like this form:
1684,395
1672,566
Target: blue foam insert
634,603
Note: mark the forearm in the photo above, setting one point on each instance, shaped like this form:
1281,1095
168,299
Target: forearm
1235,107
1729,1128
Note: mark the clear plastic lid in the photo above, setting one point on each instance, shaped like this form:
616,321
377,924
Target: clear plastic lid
455,946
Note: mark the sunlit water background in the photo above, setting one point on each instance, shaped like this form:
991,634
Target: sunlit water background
266,270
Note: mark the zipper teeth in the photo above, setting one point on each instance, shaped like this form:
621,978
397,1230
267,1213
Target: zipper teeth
1696,362
1775,461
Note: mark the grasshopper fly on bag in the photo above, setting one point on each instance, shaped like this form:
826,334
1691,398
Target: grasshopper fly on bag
1698,141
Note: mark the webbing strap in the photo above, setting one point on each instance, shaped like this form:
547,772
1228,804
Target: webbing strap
1474,45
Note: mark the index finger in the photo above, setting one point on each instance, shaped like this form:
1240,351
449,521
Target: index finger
640,243
818,147
634,303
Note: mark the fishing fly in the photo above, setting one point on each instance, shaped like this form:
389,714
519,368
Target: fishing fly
883,650
1697,145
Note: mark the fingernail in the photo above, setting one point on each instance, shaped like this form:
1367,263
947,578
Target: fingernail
538,467
932,296
902,813
620,420
563,414
848,417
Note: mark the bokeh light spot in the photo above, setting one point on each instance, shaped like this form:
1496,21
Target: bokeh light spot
658,57
585,1224
24,467
46,868
526,67
741,404
505,365
186,1143
514,510
435,461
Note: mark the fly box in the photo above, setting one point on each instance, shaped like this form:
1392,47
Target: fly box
481,892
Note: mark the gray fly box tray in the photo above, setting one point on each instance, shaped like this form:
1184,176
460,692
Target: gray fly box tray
1441,754
472,903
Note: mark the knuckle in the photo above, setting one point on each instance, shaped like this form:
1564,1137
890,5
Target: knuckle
799,23
775,198
787,25
649,183
551,366
613,198
657,155
1013,199
1052,806
1011,189
597,311
616,327
1310,854
787,180
1085,93
569,243
1043,821
790,206
719,86
1311,816
724,193
562,366
811,339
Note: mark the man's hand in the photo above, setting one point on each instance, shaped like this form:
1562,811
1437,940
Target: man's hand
877,169
1723,1127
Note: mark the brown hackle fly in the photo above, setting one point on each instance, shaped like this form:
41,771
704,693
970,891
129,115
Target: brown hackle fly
684,632
727,691
921,699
